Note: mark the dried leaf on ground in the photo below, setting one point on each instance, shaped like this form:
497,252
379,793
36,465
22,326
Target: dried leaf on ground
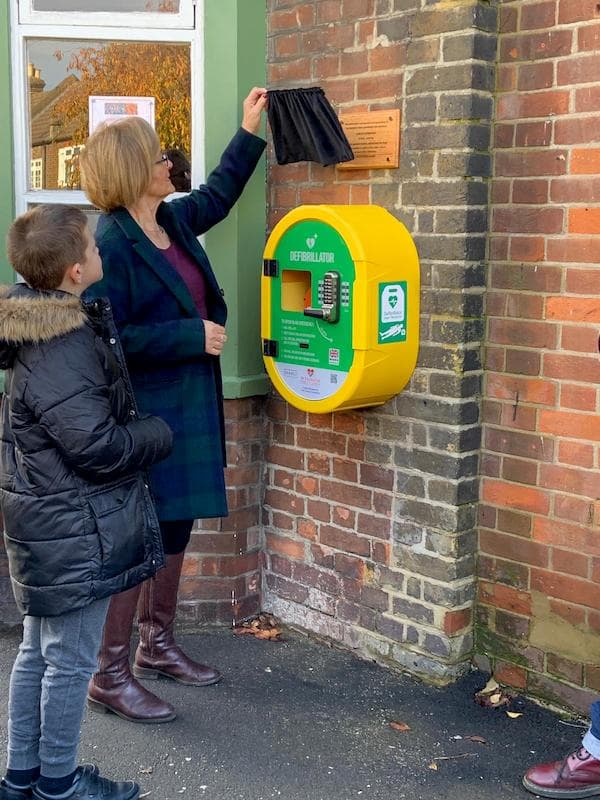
514,714
491,686
433,765
399,726
492,695
263,626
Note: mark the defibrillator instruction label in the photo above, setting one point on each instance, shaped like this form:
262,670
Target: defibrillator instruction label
392,312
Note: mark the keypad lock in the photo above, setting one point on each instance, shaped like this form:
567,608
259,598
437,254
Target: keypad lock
329,296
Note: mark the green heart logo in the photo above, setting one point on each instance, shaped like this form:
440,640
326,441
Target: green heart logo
393,300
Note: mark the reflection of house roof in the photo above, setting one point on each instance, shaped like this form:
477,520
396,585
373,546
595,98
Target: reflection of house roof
45,125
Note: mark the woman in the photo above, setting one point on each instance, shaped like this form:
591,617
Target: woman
171,315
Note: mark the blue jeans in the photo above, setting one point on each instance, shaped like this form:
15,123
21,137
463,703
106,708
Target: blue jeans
591,741
48,688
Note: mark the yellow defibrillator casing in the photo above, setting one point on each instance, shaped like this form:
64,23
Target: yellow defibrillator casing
340,307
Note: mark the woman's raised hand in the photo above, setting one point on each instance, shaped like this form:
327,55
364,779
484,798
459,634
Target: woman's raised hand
252,107
214,337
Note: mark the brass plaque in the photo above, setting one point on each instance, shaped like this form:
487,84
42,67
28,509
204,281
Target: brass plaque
374,137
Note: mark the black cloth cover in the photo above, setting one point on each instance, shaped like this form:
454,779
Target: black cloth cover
305,127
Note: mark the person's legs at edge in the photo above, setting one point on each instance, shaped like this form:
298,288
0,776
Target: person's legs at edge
158,653
577,775
591,741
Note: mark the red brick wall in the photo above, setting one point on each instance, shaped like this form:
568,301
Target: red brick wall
370,516
539,615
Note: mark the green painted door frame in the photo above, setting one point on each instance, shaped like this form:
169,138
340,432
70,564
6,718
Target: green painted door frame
235,60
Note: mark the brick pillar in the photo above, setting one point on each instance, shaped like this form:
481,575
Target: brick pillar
221,581
444,195
370,516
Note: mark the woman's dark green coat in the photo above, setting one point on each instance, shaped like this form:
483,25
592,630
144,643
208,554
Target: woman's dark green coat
163,335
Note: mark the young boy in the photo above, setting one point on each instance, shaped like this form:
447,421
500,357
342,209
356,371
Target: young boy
79,524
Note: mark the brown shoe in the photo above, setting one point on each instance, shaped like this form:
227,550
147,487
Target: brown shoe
577,775
157,653
113,688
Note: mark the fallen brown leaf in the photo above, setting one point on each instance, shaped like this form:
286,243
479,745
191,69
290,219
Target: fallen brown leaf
400,726
263,626
492,695
274,633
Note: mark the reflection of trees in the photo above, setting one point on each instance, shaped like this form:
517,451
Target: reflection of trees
131,69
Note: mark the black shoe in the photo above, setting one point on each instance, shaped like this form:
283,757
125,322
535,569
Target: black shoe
89,785
9,793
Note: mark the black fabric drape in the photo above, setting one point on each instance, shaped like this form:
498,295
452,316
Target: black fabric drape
305,127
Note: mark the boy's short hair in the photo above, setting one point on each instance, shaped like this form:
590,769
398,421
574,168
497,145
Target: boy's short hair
117,162
45,241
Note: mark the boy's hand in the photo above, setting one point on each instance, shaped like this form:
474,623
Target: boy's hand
253,106
214,337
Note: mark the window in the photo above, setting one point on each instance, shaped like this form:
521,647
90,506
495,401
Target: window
120,6
156,13
59,66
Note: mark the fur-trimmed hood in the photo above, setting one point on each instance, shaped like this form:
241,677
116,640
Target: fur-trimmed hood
29,316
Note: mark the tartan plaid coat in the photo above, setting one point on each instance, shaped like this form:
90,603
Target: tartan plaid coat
163,336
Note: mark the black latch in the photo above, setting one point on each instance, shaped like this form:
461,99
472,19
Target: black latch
270,348
270,267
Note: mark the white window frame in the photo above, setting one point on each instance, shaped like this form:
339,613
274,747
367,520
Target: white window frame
184,18
21,32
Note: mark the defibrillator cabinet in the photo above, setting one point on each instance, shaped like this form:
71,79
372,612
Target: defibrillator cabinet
340,307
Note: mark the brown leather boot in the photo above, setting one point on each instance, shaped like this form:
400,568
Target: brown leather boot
157,653
113,687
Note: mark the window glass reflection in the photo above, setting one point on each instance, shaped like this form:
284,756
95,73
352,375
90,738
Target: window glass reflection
153,6
62,75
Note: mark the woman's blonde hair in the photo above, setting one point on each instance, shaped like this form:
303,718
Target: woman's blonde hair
117,162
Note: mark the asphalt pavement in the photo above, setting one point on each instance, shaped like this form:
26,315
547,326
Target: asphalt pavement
300,720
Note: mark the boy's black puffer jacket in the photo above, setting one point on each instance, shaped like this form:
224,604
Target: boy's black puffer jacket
79,523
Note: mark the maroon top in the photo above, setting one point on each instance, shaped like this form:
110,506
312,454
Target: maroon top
191,275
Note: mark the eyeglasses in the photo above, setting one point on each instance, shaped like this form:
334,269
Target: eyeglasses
163,159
